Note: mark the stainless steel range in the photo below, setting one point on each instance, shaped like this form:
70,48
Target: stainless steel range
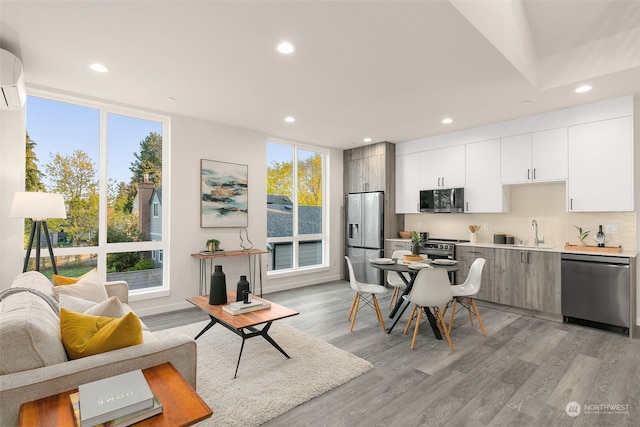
440,248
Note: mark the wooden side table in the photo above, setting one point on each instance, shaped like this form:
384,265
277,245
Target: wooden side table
182,406
206,267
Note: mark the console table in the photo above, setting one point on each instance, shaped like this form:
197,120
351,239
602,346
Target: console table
206,266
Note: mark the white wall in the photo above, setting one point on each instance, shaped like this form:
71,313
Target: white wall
12,161
191,140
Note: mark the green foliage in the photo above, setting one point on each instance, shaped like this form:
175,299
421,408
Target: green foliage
415,236
143,264
33,175
148,161
582,234
122,261
75,177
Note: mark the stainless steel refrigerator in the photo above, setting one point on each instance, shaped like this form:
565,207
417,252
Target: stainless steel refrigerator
364,234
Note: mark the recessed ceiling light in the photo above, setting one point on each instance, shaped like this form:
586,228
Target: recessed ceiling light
289,119
526,102
286,48
99,68
171,98
367,140
447,120
583,88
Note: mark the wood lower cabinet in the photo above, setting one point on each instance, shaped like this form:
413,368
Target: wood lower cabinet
528,279
466,255
517,278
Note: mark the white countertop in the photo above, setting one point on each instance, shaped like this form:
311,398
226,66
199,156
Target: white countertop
544,248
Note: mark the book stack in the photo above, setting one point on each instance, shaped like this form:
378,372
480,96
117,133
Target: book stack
240,307
117,401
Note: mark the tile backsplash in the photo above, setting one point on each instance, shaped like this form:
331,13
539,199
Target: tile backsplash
544,202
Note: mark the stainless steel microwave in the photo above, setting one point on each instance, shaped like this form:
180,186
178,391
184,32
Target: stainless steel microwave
445,200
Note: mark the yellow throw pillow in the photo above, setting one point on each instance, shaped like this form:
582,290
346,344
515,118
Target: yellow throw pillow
64,280
85,335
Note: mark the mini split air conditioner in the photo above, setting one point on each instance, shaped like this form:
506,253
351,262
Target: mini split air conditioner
11,82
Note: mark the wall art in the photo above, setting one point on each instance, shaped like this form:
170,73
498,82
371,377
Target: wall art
223,194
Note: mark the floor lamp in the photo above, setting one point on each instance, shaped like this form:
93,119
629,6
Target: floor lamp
39,207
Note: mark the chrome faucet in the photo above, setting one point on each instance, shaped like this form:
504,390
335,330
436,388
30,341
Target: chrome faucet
536,241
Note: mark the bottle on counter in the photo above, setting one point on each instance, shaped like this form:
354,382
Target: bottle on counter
600,237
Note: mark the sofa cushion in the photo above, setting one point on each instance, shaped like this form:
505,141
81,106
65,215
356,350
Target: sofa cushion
64,280
90,287
29,330
111,307
85,335
34,280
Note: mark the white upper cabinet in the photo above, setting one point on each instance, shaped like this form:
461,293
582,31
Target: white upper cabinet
534,157
484,192
442,168
408,183
601,166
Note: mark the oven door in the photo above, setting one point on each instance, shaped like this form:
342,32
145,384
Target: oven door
437,253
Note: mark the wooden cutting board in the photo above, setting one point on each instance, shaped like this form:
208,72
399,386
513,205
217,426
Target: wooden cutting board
606,249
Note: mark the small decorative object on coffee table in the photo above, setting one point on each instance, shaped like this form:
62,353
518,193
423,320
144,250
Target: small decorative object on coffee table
243,285
218,291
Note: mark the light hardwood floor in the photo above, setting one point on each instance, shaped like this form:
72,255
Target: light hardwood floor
524,373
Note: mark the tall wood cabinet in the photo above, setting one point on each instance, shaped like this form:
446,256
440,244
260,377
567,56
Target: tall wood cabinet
373,168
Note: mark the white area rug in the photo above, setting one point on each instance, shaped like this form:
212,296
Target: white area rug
268,384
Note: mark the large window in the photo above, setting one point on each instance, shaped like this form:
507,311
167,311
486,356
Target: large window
108,165
296,210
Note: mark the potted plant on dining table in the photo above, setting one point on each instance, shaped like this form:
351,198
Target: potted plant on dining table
415,243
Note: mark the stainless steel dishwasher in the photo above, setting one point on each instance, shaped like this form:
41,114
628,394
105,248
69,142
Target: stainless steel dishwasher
596,291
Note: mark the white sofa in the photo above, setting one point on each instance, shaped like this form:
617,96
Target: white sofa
34,364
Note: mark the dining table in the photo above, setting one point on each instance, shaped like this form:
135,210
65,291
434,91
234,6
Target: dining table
411,269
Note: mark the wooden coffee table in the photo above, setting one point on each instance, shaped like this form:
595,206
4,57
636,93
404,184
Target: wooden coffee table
243,325
181,405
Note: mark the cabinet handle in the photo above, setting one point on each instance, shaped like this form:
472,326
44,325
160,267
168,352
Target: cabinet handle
467,203
438,181
571,204
522,257
534,174
443,181
528,174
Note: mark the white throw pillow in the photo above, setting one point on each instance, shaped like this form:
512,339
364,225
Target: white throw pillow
90,287
111,307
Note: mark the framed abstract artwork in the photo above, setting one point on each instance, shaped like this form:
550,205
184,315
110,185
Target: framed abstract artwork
223,194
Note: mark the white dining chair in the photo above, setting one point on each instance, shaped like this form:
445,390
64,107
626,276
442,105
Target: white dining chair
366,294
431,291
394,280
465,294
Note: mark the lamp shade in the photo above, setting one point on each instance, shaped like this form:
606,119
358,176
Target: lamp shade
37,206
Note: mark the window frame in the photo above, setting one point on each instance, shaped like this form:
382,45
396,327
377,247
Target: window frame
297,237
104,248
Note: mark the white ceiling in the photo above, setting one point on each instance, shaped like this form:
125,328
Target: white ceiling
389,70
